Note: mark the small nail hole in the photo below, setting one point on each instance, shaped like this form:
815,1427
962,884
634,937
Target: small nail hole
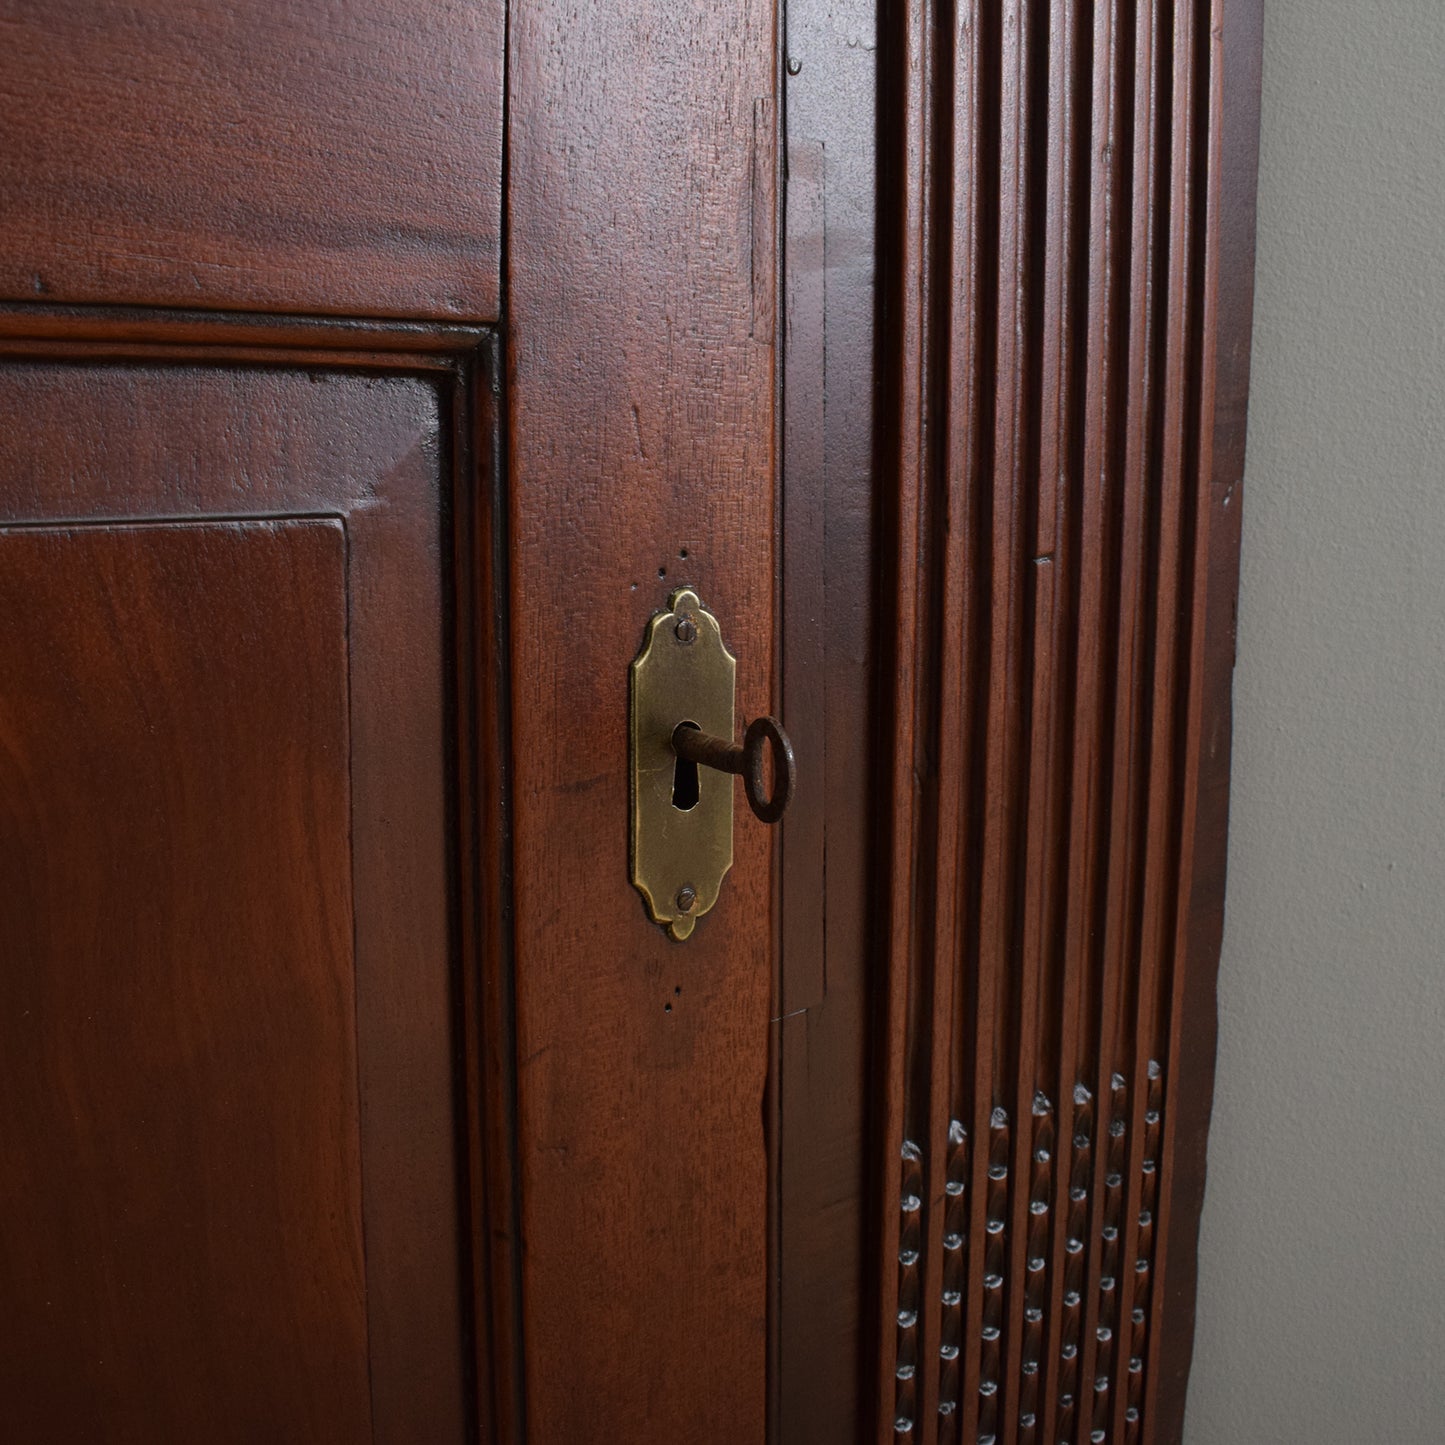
662,571
683,554
667,1008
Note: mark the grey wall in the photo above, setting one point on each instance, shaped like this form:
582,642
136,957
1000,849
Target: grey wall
1322,1292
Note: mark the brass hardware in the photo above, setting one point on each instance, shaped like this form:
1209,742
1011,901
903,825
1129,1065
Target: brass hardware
683,684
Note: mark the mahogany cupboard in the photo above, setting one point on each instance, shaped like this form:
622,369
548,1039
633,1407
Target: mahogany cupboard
375,382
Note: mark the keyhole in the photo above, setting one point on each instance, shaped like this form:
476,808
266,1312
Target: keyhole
684,781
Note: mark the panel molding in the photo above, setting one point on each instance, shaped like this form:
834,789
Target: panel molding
466,364
1071,273
126,333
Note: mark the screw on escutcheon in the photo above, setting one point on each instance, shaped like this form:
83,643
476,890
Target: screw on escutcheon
686,898
686,630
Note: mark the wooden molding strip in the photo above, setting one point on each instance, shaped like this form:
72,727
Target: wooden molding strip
130,331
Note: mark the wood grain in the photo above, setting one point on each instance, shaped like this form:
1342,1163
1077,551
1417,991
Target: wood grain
181,1206
1072,280
641,380
259,154
829,616
1231,145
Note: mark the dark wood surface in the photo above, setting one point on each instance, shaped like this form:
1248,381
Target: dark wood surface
275,159
227,816
640,302
828,615
266,154
1235,81
1070,274
339,619
179,1057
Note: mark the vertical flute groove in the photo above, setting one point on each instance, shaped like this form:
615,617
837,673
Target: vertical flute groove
1068,258
1014,488
1168,453
974,410
1205,497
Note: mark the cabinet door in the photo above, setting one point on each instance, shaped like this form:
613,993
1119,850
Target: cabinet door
349,1090
234,1200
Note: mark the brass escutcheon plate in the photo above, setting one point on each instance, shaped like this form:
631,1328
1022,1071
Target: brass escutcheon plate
680,854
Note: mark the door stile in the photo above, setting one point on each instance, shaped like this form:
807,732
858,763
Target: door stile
639,300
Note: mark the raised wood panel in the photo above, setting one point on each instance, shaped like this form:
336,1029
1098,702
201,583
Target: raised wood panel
641,243
261,894
1072,282
180,1177
263,154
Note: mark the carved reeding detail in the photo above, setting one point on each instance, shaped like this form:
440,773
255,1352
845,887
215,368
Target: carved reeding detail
1110,1285
995,1277
910,1277
1118,1287
1036,1291
955,1265
1052,415
1142,1280
1081,1174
